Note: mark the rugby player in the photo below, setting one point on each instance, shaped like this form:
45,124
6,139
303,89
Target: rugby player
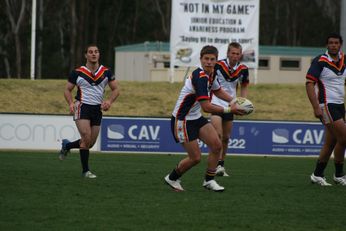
327,73
230,72
188,124
91,81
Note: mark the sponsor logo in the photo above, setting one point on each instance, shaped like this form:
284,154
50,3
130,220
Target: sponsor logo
280,136
115,132
298,136
134,132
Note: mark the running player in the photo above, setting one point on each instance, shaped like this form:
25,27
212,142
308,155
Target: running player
188,124
229,73
327,73
91,81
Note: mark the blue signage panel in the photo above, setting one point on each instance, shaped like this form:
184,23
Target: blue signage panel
121,134
137,135
279,138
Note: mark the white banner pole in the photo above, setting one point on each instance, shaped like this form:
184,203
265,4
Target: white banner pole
33,40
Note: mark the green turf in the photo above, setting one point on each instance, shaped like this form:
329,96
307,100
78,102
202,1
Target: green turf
38,192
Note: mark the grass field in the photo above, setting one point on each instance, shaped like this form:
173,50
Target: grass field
38,192
271,101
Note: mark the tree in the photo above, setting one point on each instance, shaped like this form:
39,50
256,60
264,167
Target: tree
16,19
65,27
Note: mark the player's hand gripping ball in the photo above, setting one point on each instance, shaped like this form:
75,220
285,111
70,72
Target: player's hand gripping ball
243,104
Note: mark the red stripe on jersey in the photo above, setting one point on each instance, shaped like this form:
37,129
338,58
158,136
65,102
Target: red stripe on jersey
203,97
100,72
224,67
310,77
236,73
182,104
324,92
326,60
86,72
80,94
202,74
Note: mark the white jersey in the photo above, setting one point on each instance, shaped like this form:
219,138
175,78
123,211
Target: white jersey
197,87
330,78
91,86
229,77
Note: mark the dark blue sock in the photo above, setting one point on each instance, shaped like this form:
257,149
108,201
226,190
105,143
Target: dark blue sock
84,158
74,144
319,170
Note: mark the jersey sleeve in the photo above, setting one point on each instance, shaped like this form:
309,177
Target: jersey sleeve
245,78
200,84
73,77
315,70
110,75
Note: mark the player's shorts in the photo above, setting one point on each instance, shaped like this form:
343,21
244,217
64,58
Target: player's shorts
332,112
225,116
185,131
88,112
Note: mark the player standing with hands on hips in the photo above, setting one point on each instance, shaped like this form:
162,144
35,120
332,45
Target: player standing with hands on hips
91,81
188,124
327,73
229,73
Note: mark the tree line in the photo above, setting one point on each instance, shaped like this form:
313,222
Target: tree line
65,27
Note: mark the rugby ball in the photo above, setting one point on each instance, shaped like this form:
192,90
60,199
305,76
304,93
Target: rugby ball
243,104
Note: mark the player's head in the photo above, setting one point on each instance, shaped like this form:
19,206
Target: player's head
334,42
208,58
92,53
234,52
210,50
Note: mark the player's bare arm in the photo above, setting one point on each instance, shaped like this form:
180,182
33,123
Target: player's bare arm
222,94
243,90
68,96
113,85
310,90
225,96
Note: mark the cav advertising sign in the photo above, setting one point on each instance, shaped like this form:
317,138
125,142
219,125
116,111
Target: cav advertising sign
196,23
248,137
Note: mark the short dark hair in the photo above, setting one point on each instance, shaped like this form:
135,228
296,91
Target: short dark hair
235,45
208,49
88,46
334,35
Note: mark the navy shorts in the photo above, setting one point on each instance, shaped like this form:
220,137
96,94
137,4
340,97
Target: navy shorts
185,131
333,112
88,112
225,116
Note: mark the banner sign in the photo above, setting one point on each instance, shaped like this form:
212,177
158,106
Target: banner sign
137,135
248,137
196,23
34,132
153,135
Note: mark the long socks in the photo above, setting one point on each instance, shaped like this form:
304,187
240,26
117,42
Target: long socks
84,158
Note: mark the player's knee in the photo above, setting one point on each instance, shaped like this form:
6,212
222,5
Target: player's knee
196,160
85,143
216,148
